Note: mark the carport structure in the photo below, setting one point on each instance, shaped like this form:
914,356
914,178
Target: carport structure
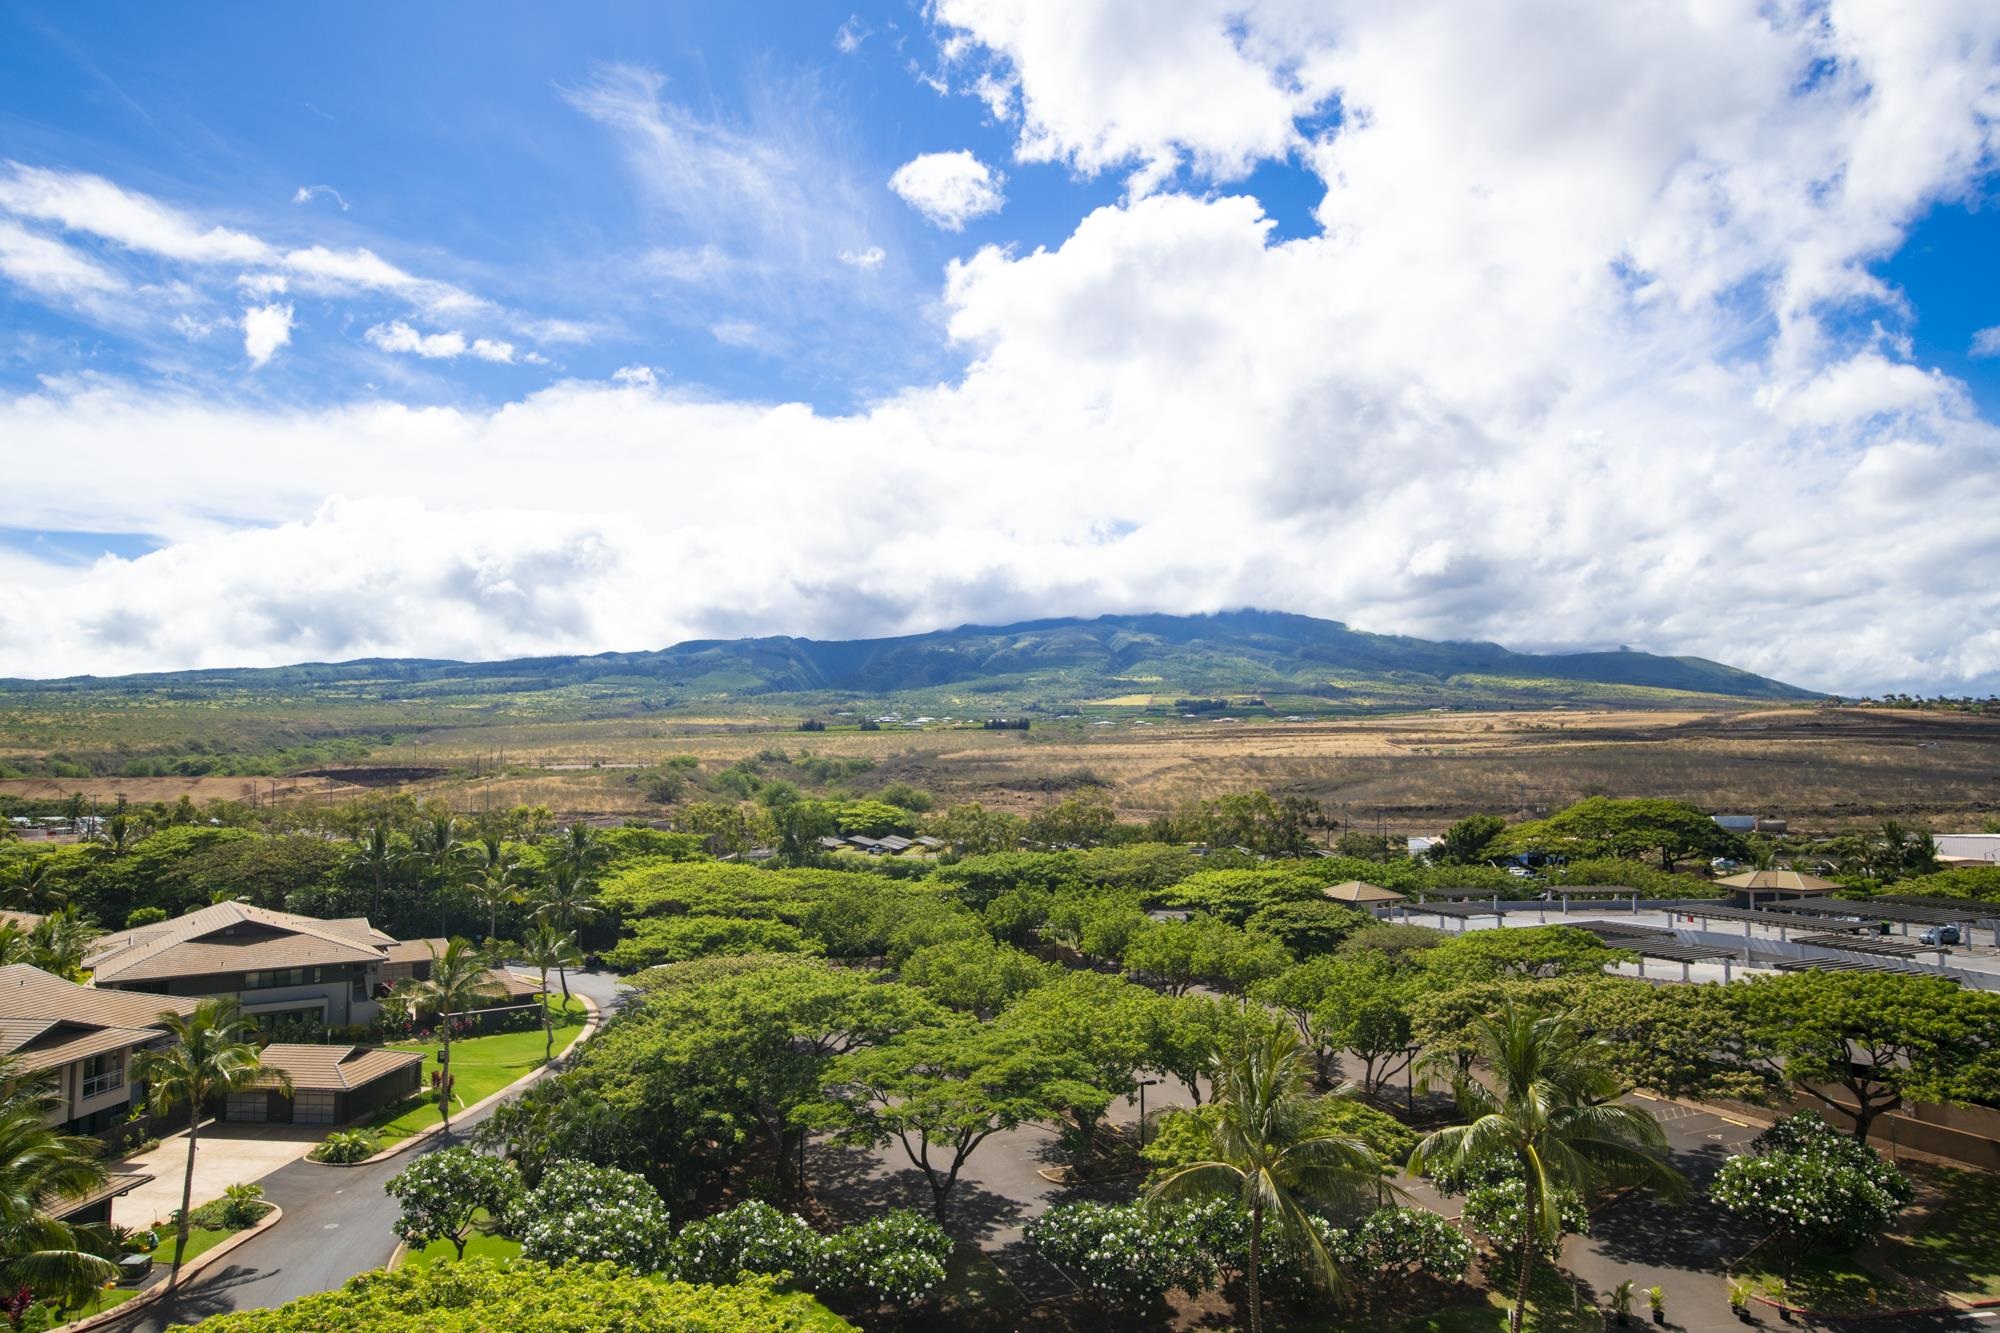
1963,914
1653,942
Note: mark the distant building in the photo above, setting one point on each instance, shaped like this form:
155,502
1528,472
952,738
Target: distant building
331,1085
84,1039
1968,848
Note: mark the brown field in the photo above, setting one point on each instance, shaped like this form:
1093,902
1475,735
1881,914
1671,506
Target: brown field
1820,767
142,791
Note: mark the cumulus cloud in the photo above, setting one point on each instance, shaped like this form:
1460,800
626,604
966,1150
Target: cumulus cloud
86,203
397,336
266,328
949,189
1555,368
1986,342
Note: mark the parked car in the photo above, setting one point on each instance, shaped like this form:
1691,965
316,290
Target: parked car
1938,935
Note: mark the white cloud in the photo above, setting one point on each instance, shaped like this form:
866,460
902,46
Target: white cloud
949,189
851,34
266,328
738,333
305,194
262,284
1556,368
400,337
45,265
1986,342
92,204
869,258
492,349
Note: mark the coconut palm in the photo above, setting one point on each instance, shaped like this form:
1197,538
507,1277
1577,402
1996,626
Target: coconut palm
580,849
15,945
568,902
1550,1115
458,984
61,940
208,1054
36,890
116,838
496,882
1267,1153
548,947
376,856
52,1258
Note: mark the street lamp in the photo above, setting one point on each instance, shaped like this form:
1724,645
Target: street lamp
1144,1084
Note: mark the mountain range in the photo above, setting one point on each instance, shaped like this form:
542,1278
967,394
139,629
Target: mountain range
1113,659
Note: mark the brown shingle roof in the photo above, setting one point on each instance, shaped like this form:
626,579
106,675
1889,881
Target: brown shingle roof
415,951
335,1068
30,993
229,937
1360,893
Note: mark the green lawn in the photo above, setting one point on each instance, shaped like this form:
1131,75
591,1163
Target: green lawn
1553,1307
1957,1247
483,1245
480,1067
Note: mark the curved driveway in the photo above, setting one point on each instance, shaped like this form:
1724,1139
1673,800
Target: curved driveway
336,1224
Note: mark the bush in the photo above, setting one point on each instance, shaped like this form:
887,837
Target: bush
519,1296
1130,1257
344,1146
750,1238
898,1257
585,1213
240,1206
1392,1244
144,916
1813,1186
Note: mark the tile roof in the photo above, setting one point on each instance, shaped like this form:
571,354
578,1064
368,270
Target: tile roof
28,993
335,1068
230,937
415,951
22,920
1360,892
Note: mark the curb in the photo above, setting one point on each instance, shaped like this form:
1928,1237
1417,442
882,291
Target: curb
1914,1312
593,1019
159,1289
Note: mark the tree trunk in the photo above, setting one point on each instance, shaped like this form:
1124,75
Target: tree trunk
187,1196
563,972
1256,1261
1529,1227
444,1072
548,1023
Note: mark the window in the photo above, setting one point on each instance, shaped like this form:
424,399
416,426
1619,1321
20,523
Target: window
102,1073
283,976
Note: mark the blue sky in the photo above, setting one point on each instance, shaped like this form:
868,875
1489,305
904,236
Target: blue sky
472,330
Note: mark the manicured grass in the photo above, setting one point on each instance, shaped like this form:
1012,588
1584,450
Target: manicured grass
484,1244
102,1301
1957,1247
1829,1284
480,1067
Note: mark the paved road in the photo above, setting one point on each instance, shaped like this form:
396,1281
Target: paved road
336,1224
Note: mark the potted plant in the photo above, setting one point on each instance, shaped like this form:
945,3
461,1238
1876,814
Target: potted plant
1656,1300
1739,1298
1621,1301
1781,1292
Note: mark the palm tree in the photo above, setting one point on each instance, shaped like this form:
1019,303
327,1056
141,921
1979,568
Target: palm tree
61,940
1551,1117
1266,1153
16,946
567,901
547,947
375,855
580,849
36,890
437,844
208,1054
38,1250
458,983
496,883
117,836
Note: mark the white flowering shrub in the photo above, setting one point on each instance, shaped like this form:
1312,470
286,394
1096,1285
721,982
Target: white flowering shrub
750,1238
1130,1256
581,1212
1811,1185
443,1193
1392,1243
1497,1210
898,1257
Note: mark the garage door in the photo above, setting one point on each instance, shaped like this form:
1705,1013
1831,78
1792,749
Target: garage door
313,1108
247,1106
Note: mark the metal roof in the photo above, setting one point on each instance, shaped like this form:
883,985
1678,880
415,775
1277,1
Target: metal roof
1866,944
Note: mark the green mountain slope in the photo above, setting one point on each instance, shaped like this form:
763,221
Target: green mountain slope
1261,652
